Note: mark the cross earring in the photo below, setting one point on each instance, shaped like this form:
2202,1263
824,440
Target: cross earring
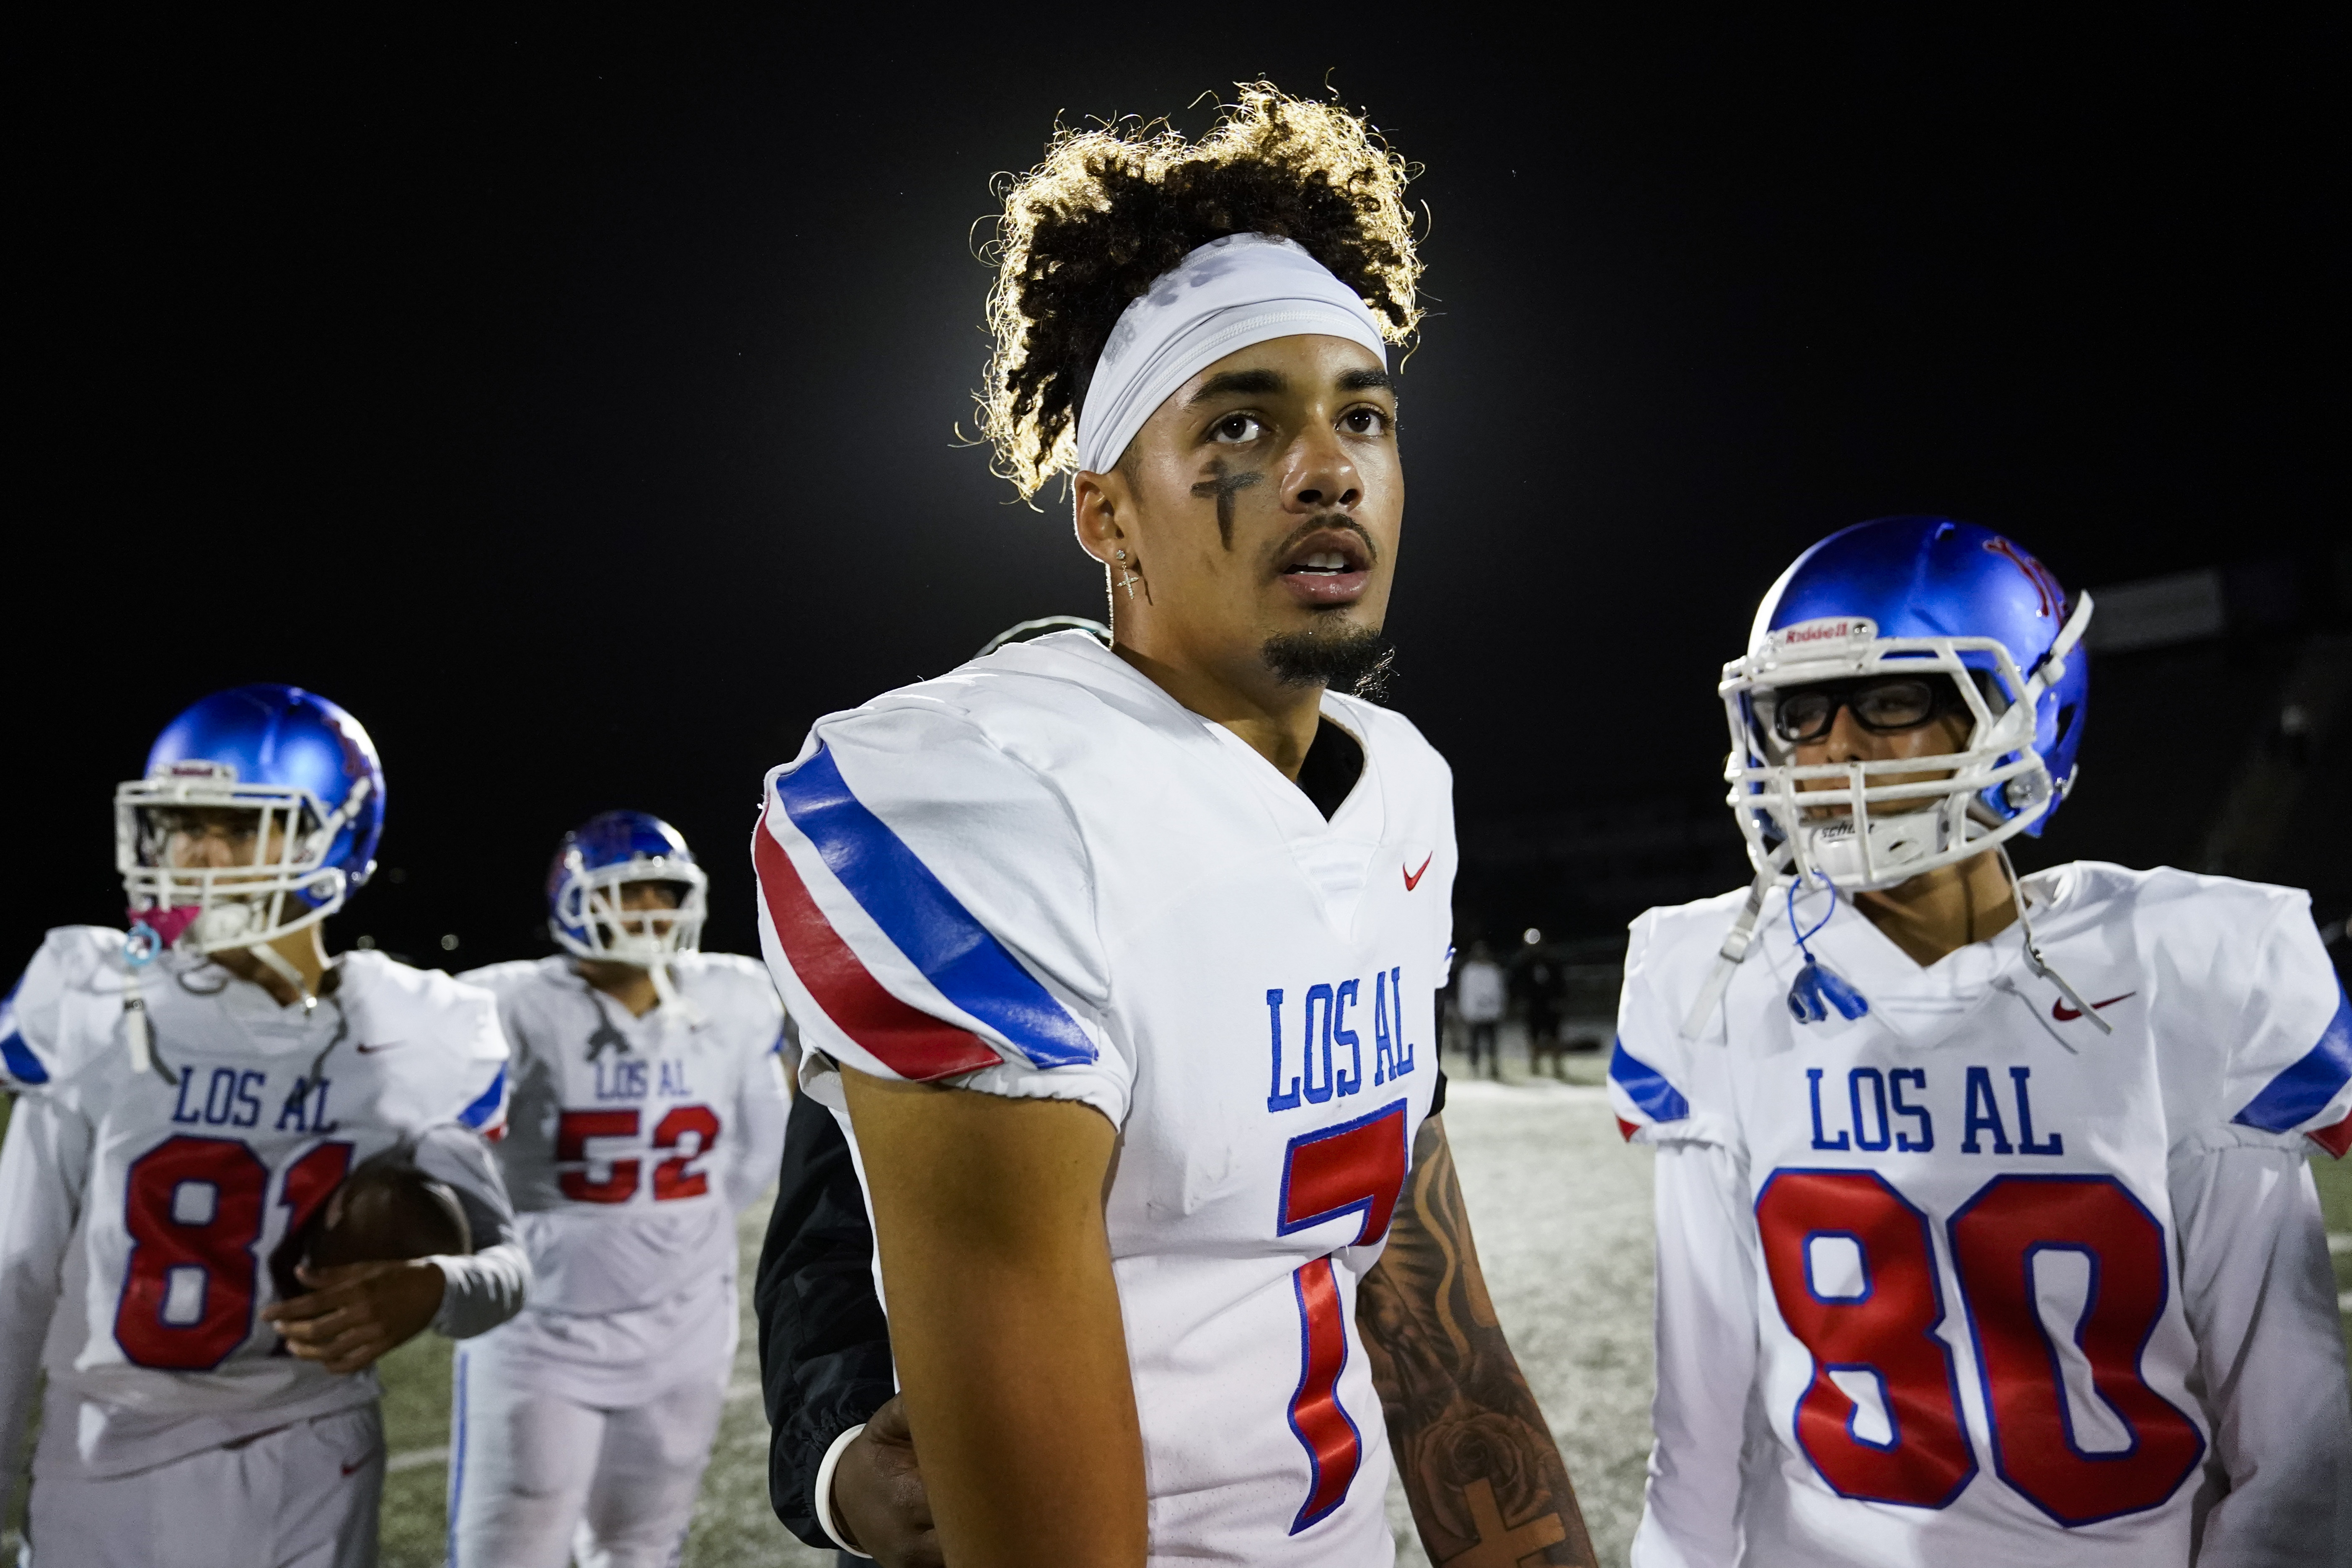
1127,580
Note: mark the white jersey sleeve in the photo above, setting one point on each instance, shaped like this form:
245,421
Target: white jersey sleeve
1707,1354
1668,1092
928,910
31,1007
754,1147
2255,1278
1664,1086
43,1174
2287,1072
2260,1297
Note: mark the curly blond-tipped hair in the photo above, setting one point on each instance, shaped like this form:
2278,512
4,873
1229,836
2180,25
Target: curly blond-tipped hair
1112,208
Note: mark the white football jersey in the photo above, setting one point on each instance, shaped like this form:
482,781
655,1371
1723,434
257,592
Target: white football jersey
1040,875
632,1142
1965,1279
147,1212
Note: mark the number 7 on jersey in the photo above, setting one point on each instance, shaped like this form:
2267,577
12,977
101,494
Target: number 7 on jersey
1356,1167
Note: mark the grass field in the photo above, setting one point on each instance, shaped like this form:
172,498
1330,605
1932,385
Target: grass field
1561,1211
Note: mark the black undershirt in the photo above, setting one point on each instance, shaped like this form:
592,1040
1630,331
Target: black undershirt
1334,762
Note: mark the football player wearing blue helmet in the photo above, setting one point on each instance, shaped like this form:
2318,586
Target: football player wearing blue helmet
624,897
1985,1229
188,1097
257,817
649,1109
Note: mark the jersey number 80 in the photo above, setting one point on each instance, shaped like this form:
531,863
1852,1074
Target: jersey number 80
1883,1328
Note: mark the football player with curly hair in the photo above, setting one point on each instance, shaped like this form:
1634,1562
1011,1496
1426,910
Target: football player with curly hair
1117,964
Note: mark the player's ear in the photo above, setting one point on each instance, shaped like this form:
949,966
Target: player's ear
1100,505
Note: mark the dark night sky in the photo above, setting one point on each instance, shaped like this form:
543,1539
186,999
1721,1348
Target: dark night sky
578,406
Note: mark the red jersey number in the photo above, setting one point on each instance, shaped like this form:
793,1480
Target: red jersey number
1357,1167
1997,1238
194,1209
692,1130
1886,1330
1885,1326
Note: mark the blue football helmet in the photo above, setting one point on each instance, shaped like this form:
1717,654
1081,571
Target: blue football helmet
594,861
1909,595
258,816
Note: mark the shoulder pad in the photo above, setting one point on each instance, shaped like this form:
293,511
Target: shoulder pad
501,978
39,1041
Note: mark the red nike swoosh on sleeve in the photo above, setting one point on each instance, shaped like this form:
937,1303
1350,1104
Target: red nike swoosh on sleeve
1412,879
2065,1014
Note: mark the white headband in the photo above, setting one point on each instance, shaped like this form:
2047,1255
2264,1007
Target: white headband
1231,292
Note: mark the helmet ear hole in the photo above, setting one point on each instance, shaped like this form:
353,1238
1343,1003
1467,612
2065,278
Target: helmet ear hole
2066,720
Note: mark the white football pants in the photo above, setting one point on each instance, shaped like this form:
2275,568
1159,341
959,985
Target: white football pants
539,1480
304,1496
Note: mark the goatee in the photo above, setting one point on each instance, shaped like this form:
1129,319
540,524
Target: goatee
1356,660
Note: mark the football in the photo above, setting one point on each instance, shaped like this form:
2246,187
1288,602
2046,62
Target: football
385,1210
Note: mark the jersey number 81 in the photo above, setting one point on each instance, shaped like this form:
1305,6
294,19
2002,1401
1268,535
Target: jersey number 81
193,1208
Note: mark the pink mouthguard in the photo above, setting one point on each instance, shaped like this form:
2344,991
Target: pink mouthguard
166,923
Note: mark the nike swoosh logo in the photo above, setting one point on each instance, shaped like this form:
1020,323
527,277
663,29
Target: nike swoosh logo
2065,1014
371,1050
1412,879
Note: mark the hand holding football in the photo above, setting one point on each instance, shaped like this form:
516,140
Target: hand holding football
363,1285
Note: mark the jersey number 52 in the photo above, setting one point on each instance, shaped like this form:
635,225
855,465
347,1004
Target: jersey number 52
688,1132
1879,1327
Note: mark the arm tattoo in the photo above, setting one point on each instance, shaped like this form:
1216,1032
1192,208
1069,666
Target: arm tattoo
1487,1482
1224,487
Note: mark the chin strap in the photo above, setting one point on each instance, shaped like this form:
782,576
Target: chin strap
1735,943
277,965
2033,959
305,1085
669,1009
141,947
673,1004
